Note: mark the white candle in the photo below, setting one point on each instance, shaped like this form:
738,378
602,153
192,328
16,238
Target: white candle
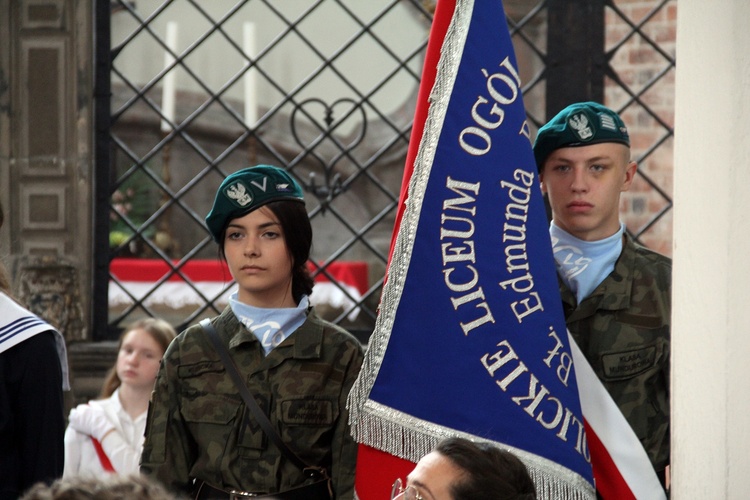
168,82
251,98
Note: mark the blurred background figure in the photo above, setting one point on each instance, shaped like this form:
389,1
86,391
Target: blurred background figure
33,375
105,436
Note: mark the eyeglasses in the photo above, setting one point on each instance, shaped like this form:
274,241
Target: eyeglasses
408,493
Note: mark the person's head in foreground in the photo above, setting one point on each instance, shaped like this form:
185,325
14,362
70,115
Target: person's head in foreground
115,487
583,156
459,469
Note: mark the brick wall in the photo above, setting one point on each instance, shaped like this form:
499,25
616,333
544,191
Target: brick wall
643,87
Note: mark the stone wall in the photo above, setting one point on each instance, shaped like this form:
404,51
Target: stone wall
46,163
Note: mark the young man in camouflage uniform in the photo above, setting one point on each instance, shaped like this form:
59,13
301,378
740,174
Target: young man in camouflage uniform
615,293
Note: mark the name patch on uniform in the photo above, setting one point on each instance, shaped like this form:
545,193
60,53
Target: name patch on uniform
628,364
197,369
640,320
307,412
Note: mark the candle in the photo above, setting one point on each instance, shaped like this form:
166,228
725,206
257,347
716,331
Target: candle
168,81
251,98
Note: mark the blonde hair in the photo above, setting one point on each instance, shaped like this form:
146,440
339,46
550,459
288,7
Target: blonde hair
161,331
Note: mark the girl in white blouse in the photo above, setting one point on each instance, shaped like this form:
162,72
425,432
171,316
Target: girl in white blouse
105,436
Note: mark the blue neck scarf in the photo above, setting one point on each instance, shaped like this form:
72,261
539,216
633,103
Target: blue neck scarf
270,326
583,265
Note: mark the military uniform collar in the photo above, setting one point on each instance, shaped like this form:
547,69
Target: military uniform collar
614,292
305,343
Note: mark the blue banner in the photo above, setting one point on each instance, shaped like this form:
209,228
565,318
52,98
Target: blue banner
471,338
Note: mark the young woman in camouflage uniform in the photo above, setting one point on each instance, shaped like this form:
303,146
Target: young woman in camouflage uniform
298,367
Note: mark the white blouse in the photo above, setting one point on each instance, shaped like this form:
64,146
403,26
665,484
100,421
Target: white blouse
123,447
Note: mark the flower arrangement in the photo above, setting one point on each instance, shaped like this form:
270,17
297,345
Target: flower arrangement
134,201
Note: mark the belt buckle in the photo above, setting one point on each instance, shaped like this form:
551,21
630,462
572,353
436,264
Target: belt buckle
240,495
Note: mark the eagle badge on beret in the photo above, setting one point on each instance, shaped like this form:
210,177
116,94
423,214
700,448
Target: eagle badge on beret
580,124
239,193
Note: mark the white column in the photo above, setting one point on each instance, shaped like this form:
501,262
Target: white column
168,82
251,98
711,298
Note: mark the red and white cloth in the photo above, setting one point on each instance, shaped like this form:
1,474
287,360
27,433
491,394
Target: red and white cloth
138,278
119,452
622,468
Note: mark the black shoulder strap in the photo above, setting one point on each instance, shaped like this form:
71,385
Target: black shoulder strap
260,417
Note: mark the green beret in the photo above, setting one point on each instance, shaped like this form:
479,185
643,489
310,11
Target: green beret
247,189
579,124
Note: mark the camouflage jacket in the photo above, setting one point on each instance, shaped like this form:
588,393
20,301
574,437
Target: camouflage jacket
623,329
199,428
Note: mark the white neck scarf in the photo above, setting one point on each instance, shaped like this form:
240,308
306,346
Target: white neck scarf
270,326
583,265
18,324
